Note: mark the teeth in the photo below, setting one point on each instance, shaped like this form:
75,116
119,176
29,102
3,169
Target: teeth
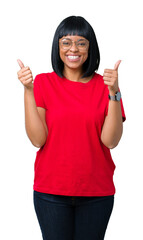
73,57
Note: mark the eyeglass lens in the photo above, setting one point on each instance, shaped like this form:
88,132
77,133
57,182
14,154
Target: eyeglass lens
80,44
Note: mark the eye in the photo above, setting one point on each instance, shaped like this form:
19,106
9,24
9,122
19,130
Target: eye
82,43
66,43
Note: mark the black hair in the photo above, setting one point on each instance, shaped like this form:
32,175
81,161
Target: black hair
76,25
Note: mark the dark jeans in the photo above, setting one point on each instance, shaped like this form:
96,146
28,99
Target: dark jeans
72,218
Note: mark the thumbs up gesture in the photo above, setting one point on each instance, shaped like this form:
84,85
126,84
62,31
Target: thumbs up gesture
25,75
110,78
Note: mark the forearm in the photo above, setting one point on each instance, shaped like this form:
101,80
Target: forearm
113,125
33,124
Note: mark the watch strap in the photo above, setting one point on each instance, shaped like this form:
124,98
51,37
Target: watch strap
112,98
116,97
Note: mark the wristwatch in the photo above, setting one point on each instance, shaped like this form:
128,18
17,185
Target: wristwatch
117,97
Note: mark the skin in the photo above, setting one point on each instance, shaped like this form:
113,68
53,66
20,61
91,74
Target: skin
112,129
113,126
35,122
73,70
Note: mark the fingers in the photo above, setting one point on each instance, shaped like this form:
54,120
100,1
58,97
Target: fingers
25,82
110,77
117,65
23,71
25,75
110,74
109,83
107,79
20,63
26,72
23,68
109,70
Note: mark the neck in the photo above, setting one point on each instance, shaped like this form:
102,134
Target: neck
73,74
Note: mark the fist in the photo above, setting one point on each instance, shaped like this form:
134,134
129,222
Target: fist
110,78
25,75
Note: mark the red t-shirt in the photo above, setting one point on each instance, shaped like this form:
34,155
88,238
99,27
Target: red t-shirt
73,161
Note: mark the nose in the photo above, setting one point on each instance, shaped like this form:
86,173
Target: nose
74,48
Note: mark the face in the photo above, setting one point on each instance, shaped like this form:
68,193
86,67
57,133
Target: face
81,55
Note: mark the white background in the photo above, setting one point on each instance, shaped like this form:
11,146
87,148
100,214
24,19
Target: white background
27,30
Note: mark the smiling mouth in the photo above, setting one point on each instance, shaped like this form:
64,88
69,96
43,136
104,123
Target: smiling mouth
73,57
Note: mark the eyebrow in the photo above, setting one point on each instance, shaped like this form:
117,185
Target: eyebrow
77,40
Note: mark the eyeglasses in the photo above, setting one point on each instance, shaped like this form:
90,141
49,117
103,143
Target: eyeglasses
81,44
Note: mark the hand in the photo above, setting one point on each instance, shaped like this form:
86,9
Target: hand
25,75
110,78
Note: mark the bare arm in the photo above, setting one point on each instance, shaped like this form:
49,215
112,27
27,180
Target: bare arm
35,124
113,125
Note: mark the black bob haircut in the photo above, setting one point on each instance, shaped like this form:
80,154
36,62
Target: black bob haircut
76,25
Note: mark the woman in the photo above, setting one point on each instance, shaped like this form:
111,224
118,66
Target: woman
75,116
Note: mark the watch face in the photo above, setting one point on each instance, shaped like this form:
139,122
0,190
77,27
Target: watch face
118,96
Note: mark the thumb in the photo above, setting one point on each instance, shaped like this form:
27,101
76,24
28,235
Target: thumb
117,65
20,63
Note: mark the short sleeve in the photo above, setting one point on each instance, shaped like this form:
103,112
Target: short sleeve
122,109
38,93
